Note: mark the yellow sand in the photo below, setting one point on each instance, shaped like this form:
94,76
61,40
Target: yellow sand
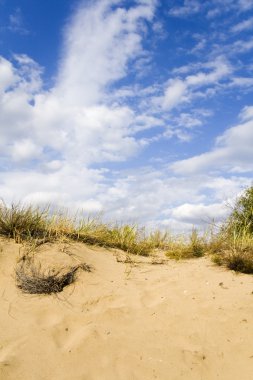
184,320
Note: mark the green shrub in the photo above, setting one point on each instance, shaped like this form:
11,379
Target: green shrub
234,242
241,219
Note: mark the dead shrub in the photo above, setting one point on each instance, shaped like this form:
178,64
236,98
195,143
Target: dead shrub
30,277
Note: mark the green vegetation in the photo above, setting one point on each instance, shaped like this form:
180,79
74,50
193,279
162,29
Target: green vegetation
240,221
19,222
32,224
231,246
181,248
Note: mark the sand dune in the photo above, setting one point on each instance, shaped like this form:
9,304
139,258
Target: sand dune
184,320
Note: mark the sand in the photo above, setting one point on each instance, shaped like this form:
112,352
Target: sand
186,320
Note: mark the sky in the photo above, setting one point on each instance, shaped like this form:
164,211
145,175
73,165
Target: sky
141,111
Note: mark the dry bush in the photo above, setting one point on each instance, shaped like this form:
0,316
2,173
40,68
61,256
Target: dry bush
30,277
238,257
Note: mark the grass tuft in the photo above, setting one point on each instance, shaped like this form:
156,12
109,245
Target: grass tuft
31,279
20,222
182,248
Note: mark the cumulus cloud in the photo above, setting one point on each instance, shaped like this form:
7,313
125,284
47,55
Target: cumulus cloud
7,76
59,133
74,120
57,143
196,214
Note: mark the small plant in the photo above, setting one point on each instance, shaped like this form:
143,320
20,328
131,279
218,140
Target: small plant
59,225
30,278
241,219
20,222
235,238
159,239
180,248
240,262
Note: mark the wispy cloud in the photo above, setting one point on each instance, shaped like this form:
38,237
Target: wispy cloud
16,22
99,45
245,5
232,152
182,90
189,7
243,25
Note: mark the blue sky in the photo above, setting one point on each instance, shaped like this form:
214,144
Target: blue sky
140,110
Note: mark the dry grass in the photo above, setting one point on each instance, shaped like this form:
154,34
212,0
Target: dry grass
231,246
30,278
235,252
24,223
182,247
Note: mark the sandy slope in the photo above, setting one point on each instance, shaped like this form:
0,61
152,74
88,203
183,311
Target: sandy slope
188,320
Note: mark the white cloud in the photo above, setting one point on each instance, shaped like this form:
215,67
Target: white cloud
243,25
99,44
242,46
24,150
212,8
76,119
189,7
245,5
232,153
16,22
246,113
183,90
241,82
196,214
174,94
58,135
219,70
7,75
188,120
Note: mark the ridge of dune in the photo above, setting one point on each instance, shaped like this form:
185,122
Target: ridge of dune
185,320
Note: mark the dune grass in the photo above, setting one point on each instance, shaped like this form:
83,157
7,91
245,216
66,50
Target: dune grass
183,247
24,223
231,245
233,250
